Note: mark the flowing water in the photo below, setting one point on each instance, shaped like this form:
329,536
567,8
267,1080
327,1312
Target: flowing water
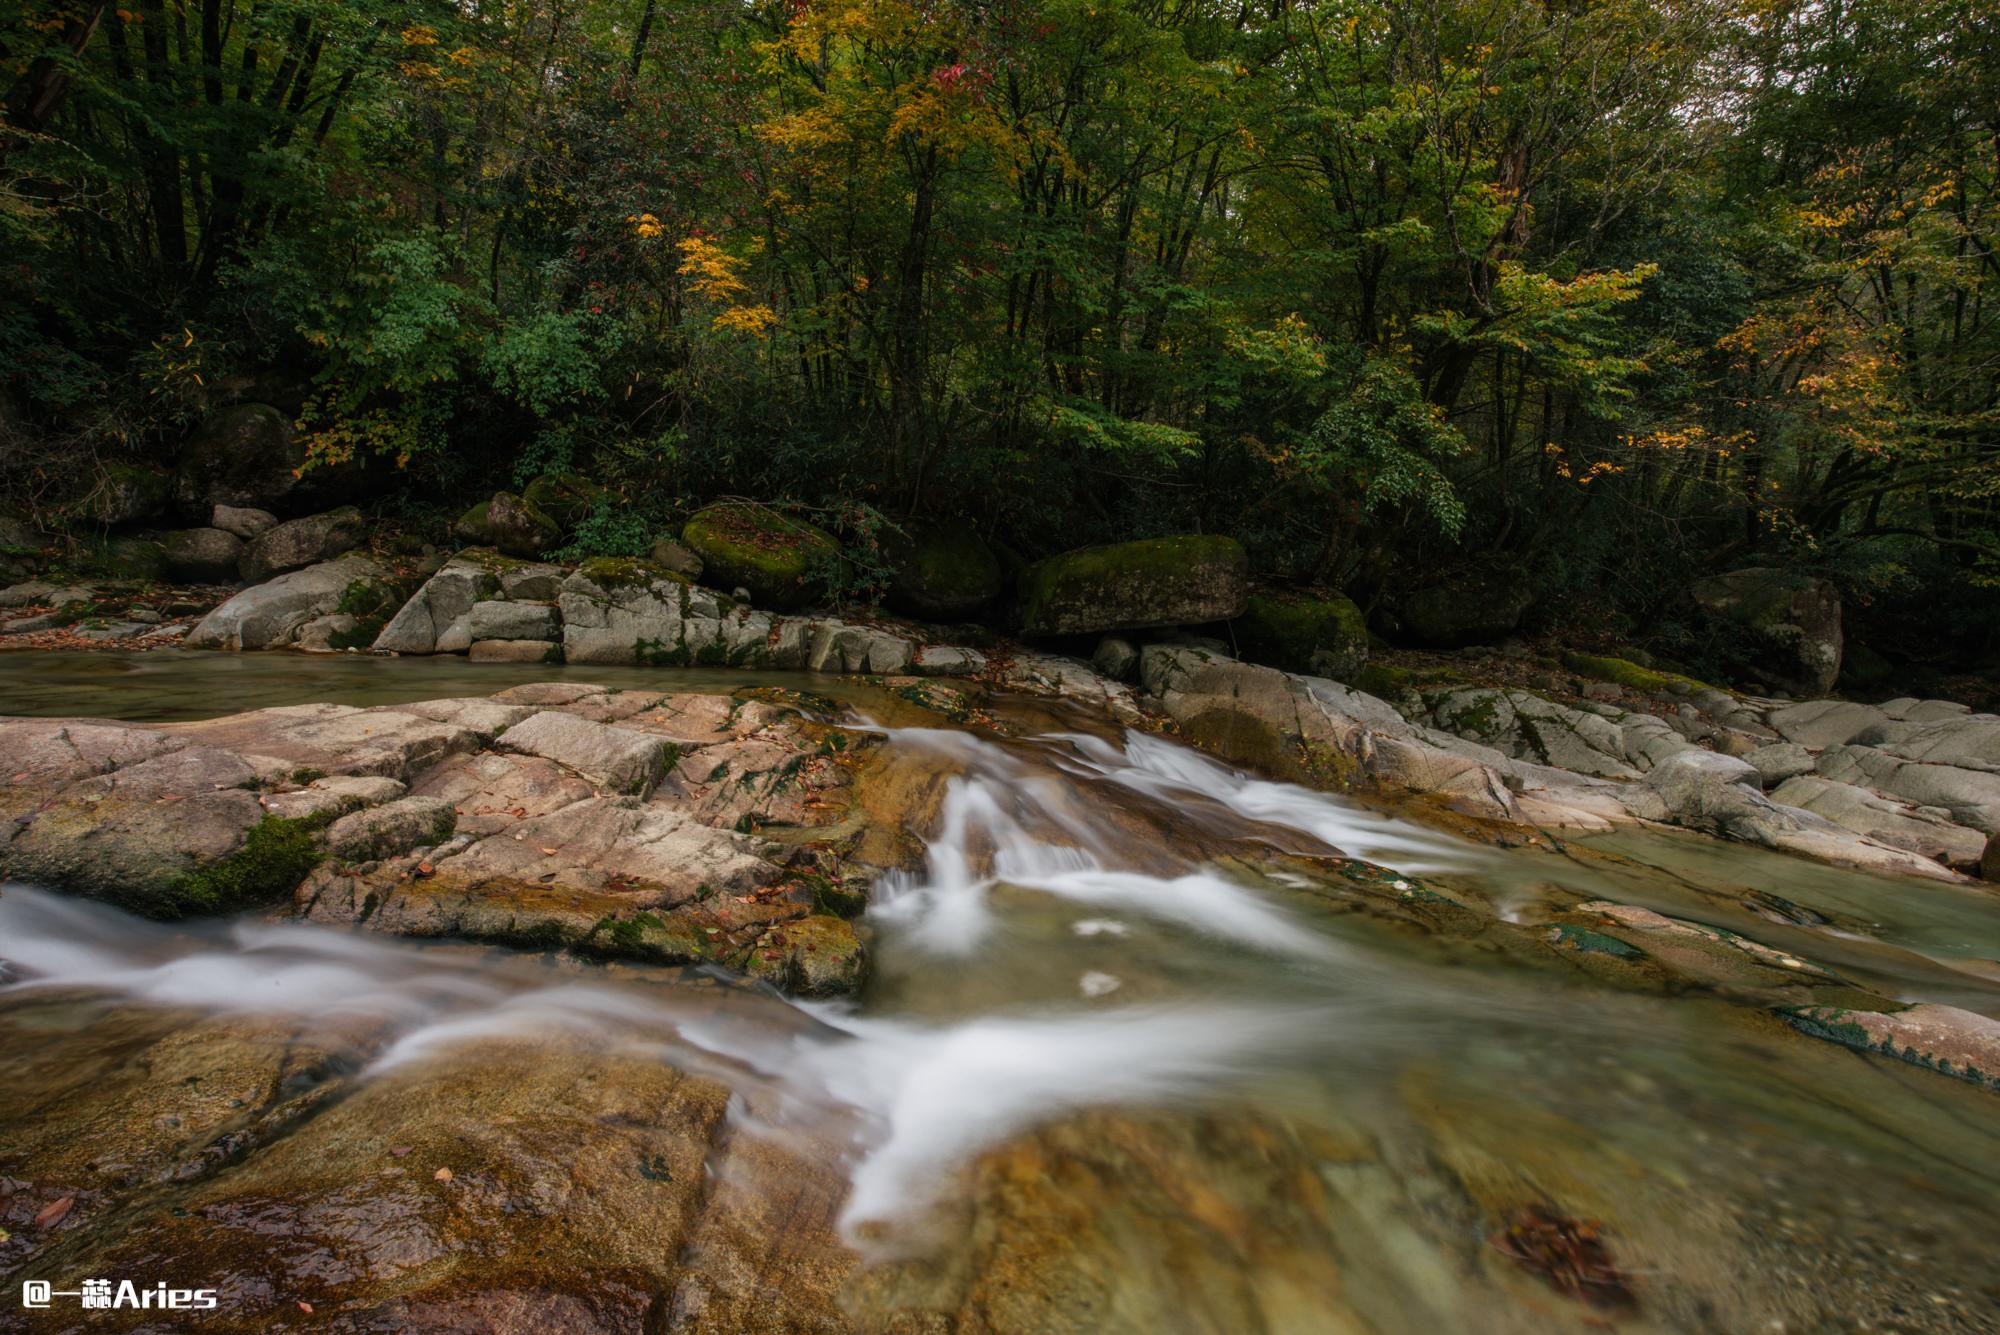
1134,1059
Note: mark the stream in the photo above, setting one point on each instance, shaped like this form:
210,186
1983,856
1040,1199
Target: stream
1126,1063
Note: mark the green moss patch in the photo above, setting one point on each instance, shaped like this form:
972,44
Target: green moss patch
783,562
1302,633
275,856
1624,672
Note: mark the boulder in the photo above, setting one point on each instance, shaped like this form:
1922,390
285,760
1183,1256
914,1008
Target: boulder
618,610
1942,1038
299,543
1154,582
443,603
242,455
785,563
1325,637
1780,626
1970,796
944,574
1989,861
1818,724
392,828
677,557
564,497
127,493
242,521
203,555
128,557
1116,658
268,616
510,524
531,583
1473,602
334,633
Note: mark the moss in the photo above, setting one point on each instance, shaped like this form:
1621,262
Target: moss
628,572
1081,590
360,637
944,572
564,497
1474,719
1387,679
1302,633
275,856
1624,672
782,561
369,598
1596,943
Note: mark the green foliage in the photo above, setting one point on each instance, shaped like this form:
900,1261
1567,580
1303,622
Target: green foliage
1381,442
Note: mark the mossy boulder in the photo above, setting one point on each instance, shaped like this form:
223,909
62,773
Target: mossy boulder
1472,602
784,562
126,493
566,498
204,555
944,574
126,557
511,524
1777,626
1300,632
1181,581
1631,675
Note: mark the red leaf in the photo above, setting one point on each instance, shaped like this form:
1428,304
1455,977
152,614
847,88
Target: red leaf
54,1212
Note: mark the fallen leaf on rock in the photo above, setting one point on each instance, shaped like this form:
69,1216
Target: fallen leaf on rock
442,1175
54,1212
399,1150
549,851
305,1307
426,869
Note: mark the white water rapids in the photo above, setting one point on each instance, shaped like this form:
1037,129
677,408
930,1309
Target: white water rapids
920,1096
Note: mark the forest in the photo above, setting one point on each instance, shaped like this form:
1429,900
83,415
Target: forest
1583,298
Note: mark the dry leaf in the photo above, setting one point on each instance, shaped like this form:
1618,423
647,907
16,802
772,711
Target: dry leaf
399,1150
54,1212
442,1175
549,851
305,1307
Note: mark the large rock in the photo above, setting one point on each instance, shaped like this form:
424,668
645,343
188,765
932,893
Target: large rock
441,607
1971,796
243,455
127,493
299,543
510,524
1322,636
1473,602
784,563
395,827
245,523
564,497
617,611
268,616
944,574
204,555
1136,585
1779,626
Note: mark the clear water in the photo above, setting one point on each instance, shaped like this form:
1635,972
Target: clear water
1125,1064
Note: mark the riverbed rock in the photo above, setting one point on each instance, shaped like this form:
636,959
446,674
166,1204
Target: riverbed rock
1941,1038
269,615
1780,761
507,619
508,523
1155,582
944,574
1300,632
334,633
298,543
441,605
1883,821
243,521
784,562
515,651
392,828
529,582
617,610
617,758
202,555
1117,658
1972,796
1779,625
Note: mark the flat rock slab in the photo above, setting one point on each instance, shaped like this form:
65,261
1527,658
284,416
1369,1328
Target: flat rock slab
1941,1038
618,758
